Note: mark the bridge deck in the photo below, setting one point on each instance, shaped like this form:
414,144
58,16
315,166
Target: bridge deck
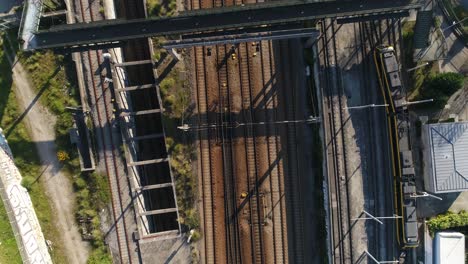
190,22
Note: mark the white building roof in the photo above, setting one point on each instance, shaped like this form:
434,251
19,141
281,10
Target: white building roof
448,143
449,248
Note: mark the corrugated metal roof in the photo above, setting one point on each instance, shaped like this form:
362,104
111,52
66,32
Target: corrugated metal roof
449,154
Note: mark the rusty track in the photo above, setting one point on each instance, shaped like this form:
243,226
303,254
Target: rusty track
99,97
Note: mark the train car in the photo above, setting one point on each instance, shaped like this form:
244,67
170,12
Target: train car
411,236
388,71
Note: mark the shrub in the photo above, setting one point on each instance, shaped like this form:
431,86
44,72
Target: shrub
447,220
27,182
441,86
196,236
99,256
166,84
80,183
62,155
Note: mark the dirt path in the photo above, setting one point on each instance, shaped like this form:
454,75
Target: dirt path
40,124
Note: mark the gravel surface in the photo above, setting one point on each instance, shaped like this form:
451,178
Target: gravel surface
40,124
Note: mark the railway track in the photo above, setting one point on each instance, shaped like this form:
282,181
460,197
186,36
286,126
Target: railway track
252,157
280,243
238,159
205,156
383,33
339,196
100,101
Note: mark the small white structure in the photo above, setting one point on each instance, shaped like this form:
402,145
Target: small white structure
449,248
445,157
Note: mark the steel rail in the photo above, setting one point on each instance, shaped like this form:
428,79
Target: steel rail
205,160
280,172
100,121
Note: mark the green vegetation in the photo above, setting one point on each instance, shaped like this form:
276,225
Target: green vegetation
176,96
425,83
93,195
441,86
27,160
161,8
447,221
417,77
457,12
9,250
181,163
52,76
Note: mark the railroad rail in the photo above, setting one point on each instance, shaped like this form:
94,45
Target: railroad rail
241,164
110,31
382,238
341,242
103,116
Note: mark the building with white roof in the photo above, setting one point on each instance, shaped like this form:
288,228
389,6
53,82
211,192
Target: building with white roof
445,157
449,248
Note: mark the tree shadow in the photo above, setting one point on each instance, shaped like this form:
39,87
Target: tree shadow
6,81
33,102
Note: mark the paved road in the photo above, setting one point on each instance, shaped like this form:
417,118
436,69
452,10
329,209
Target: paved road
104,31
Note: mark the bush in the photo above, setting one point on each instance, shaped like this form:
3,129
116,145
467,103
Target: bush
99,256
447,220
27,182
165,85
196,236
80,183
441,86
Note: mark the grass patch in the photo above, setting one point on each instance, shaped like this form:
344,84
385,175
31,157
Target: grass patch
418,77
27,161
54,78
9,252
93,195
161,8
176,97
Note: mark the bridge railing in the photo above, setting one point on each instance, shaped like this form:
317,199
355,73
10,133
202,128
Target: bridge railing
30,19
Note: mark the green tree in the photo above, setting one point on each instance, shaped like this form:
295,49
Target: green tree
441,86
